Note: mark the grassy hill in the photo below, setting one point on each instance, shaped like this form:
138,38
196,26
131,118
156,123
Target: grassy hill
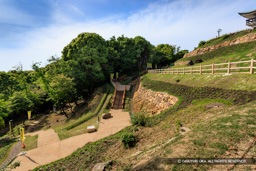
227,37
233,53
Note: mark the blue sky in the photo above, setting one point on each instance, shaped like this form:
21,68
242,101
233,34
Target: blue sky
34,30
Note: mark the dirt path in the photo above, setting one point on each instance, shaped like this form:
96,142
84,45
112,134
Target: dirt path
50,148
32,123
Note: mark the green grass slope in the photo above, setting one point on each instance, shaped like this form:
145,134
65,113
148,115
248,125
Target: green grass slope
227,131
227,37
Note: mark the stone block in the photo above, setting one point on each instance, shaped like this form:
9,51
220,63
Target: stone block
106,116
91,129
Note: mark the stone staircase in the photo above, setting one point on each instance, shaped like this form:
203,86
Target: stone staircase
117,104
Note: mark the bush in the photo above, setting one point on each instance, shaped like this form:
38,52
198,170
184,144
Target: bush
128,139
224,36
138,119
201,43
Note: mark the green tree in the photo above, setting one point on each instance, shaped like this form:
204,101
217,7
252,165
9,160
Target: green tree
165,54
62,91
143,50
84,60
19,104
3,111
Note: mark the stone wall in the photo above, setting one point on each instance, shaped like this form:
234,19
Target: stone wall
199,51
151,103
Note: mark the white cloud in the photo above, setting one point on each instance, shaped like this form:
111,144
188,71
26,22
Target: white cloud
183,23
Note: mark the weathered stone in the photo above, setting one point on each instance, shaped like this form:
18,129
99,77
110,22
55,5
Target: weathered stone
101,166
150,102
106,115
184,130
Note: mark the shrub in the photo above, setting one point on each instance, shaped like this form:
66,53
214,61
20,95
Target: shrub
138,119
14,165
201,43
128,139
224,36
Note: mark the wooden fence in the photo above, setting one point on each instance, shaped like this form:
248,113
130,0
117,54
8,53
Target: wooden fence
230,67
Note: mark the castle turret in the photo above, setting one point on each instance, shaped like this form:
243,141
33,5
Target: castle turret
251,18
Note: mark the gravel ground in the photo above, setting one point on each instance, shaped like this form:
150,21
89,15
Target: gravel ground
16,149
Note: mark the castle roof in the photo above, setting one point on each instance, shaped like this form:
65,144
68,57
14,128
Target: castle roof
248,14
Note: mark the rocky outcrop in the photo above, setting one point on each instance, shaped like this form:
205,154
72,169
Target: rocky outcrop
199,51
150,102
181,63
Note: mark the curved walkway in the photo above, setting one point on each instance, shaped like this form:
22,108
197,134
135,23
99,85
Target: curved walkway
50,148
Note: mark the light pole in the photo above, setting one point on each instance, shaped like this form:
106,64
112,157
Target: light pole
219,30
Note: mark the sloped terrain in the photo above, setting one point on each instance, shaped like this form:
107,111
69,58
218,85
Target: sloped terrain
207,122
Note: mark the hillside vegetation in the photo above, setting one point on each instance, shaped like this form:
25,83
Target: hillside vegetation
233,53
225,131
225,37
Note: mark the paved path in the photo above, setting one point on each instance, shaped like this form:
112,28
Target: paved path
50,148
120,87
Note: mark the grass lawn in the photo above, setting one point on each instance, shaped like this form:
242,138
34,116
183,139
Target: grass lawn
235,81
30,142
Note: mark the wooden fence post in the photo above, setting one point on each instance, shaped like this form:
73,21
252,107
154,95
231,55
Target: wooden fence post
173,71
201,69
212,68
191,69
252,65
229,66
183,70
178,70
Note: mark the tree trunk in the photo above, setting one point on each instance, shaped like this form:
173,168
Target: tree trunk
22,118
64,112
76,103
70,107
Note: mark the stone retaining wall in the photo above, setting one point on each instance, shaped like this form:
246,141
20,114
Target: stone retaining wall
151,103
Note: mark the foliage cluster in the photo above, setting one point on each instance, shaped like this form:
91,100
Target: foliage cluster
138,119
165,54
128,139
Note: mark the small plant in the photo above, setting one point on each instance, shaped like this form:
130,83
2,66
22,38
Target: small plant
128,139
178,125
14,165
138,119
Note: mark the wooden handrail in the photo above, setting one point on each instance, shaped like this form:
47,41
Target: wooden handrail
123,97
113,99
213,67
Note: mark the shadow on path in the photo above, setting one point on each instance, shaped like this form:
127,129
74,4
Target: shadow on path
32,160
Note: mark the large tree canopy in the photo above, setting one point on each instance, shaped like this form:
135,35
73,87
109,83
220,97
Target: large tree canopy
165,54
84,60
128,54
